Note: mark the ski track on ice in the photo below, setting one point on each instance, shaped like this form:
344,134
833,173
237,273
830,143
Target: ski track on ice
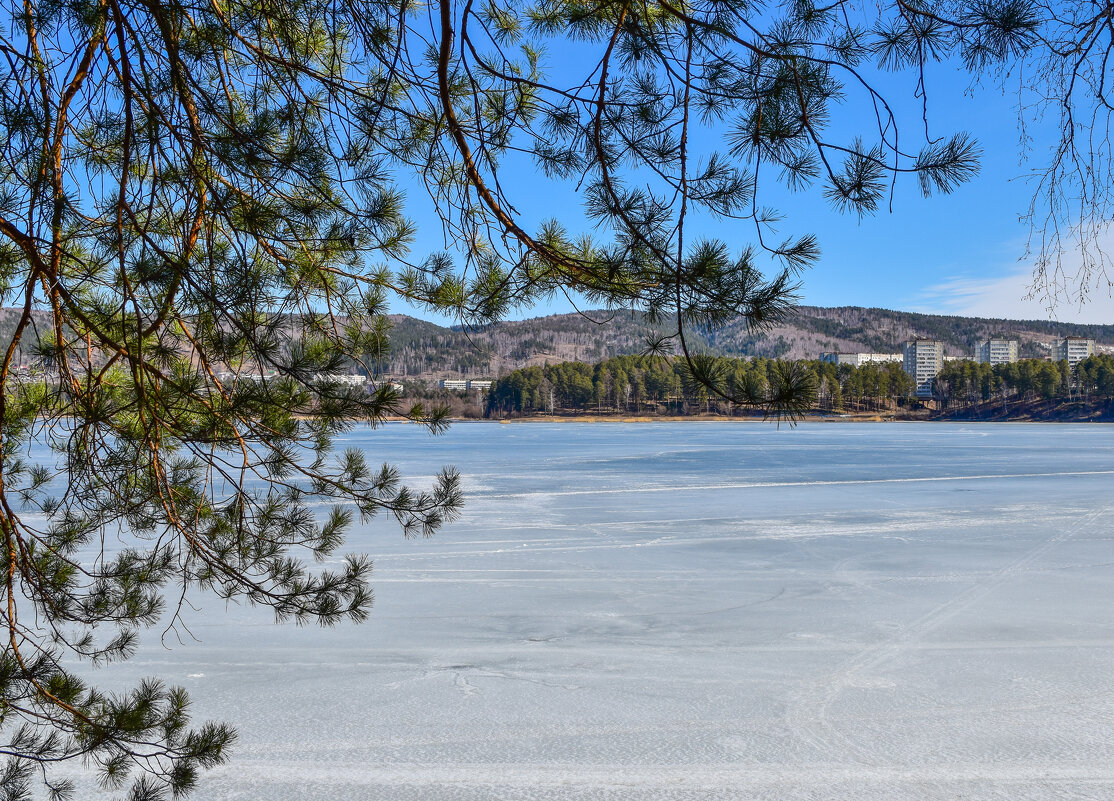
807,712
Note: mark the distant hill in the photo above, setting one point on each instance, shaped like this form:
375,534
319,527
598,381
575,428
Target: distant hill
422,349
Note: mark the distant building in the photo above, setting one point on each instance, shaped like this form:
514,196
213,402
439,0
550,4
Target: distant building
229,377
923,360
997,351
464,385
1073,349
859,359
334,379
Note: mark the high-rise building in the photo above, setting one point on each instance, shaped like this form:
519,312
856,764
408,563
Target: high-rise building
1073,349
923,360
997,351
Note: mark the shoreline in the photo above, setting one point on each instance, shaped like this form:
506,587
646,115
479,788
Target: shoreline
1031,411
678,418
850,419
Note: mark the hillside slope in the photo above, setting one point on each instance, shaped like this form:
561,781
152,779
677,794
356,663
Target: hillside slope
421,349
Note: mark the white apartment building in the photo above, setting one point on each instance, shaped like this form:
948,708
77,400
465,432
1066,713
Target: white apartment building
463,385
923,360
340,378
1073,349
997,351
859,359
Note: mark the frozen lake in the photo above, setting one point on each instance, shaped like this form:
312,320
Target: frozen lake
699,611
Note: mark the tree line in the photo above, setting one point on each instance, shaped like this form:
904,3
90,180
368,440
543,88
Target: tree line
967,383
663,385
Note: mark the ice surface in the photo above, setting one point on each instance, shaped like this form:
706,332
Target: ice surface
698,611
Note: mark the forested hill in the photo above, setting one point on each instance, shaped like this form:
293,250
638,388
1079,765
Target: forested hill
422,349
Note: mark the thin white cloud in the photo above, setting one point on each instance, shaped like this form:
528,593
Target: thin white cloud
1010,297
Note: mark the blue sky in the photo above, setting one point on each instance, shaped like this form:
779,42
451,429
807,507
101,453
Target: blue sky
949,254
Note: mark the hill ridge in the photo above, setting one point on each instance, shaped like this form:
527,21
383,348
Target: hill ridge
420,349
